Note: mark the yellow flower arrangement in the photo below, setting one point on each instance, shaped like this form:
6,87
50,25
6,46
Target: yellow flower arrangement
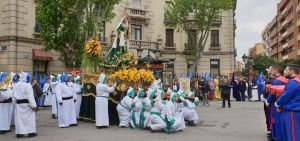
93,47
128,75
146,76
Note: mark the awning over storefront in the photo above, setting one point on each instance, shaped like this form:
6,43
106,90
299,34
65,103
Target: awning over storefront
38,54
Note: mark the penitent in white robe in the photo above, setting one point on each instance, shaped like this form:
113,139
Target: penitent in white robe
189,113
124,111
78,90
66,111
101,103
170,115
47,94
6,110
25,117
54,103
157,122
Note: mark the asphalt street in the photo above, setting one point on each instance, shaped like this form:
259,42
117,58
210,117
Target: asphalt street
243,122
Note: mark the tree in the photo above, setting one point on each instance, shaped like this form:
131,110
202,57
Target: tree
67,24
196,15
261,63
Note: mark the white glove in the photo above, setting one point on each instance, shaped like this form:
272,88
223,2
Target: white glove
266,102
196,99
262,98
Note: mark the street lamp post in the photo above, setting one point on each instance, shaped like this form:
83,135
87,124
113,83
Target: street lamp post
139,51
246,61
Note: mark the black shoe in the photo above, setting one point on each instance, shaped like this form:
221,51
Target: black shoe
71,125
19,135
53,116
153,131
31,135
101,127
123,127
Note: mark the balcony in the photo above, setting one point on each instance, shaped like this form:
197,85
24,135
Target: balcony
298,37
284,23
137,14
285,45
215,47
284,34
170,46
133,44
298,52
217,22
285,57
298,22
272,52
298,8
283,12
105,43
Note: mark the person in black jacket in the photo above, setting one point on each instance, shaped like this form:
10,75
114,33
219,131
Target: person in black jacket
204,88
37,90
242,88
225,92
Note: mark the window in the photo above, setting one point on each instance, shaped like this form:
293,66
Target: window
192,38
191,67
170,38
136,4
102,34
215,38
137,32
215,67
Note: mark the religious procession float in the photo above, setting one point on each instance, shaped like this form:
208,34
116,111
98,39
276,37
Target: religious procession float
119,65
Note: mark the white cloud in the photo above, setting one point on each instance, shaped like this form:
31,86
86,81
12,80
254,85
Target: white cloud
252,17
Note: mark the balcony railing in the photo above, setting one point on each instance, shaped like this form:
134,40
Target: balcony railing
285,45
285,57
143,44
215,45
137,13
170,45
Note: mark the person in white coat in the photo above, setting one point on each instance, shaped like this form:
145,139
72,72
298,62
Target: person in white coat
101,102
47,92
189,113
66,97
54,104
6,105
79,90
124,108
25,107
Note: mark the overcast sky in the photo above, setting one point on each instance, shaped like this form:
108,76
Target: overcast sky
251,18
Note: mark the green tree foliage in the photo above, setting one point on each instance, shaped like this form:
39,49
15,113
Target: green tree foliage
197,15
67,24
261,63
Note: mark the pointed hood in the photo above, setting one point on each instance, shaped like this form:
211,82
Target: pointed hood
130,92
140,91
173,96
23,76
150,93
3,75
63,77
102,78
77,78
191,93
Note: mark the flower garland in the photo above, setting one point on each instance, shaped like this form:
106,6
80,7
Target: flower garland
93,47
91,57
